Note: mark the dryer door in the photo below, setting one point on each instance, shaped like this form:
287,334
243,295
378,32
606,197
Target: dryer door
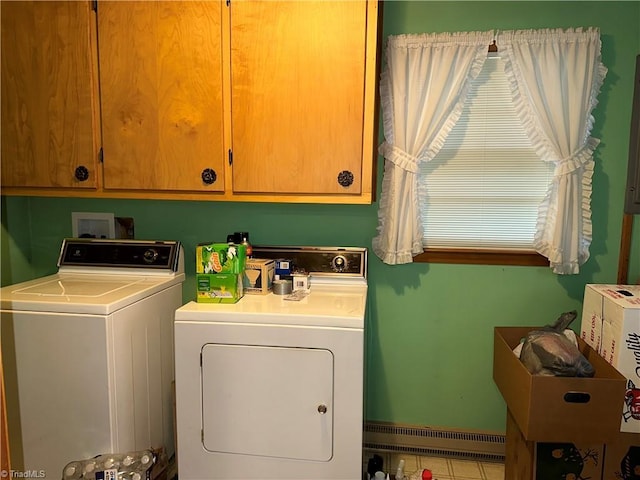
268,401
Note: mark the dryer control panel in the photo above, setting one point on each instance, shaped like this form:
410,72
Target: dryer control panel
320,261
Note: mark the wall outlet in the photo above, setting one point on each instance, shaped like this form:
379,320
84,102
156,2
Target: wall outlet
93,225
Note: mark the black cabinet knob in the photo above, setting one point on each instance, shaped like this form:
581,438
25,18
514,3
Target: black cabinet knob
209,176
345,178
81,173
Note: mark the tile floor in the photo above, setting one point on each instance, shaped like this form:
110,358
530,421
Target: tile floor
441,468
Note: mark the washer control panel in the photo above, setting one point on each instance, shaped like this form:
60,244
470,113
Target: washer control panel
321,261
89,252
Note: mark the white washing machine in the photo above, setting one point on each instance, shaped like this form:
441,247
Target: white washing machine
270,388
88,353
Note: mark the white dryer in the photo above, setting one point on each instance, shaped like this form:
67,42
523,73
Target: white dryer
271,388
88,353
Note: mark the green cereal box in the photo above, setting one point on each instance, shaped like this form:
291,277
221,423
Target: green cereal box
219,287
217,258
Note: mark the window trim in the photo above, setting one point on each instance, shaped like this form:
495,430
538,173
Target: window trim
472,256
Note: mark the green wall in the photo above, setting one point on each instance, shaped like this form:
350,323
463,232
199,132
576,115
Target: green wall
430,327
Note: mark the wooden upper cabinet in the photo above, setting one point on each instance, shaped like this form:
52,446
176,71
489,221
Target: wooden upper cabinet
240,100
303,98
49,124
162,95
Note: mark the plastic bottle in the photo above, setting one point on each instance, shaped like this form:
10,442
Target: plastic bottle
73,471
88,468
146,458
400,470
245,242
110,462
130,466
375,462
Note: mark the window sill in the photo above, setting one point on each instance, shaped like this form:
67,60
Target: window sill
482,257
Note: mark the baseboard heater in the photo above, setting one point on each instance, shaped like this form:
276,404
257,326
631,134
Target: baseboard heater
428,441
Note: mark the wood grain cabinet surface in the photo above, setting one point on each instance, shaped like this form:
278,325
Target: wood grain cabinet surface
49,122
247,100
161,95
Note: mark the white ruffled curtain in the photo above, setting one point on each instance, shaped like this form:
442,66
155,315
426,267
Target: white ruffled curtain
422,89
556,76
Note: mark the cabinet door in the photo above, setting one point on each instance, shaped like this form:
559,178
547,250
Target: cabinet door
297,102
48,119
161,95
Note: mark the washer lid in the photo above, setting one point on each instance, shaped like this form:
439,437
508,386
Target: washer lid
84,293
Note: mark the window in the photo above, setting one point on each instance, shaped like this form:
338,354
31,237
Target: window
555,76
484,187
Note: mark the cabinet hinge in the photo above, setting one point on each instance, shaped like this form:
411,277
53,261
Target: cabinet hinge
228,2
101,155
200,359
230,157
202,435
94,5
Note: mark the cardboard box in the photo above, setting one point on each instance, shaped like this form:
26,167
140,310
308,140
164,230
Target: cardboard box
223,258
528,460
622,458
614,312
561,460
219,288
557,409
591,325
258,275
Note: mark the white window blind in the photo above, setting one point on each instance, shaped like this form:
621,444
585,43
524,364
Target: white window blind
484,187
